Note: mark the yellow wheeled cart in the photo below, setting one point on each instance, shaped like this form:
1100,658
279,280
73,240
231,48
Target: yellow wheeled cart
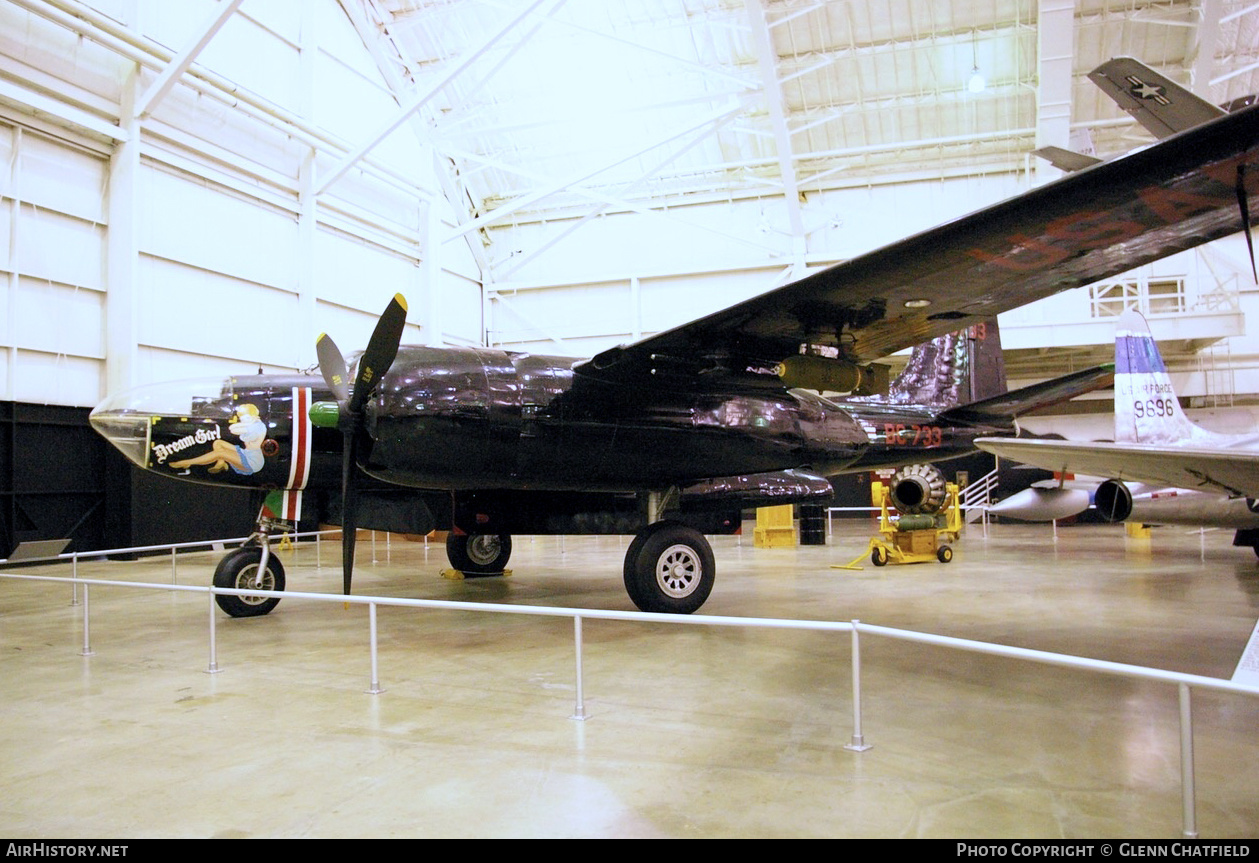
917,538
930,518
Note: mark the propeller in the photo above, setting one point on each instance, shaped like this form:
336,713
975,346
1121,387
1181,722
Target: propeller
381,350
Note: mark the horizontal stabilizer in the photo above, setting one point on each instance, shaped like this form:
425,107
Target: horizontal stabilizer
1159,104
1003,409
1066,160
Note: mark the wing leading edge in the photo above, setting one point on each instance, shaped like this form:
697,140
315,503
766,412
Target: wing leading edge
1186,190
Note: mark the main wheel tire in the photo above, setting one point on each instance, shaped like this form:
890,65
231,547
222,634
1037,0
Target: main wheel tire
479,553
238,570
878,556
944,554
669,568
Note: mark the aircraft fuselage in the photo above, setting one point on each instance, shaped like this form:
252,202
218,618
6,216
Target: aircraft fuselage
902,434
470,418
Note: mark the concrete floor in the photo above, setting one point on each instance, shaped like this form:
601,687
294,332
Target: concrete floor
691,731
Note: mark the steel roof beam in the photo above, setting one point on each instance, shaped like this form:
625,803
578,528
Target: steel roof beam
628,205
1055,46
176,68
422,99
1201,59
767,57
453,190
606,205
519,203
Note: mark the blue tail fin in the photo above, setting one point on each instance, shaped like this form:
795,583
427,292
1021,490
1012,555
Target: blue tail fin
1146,408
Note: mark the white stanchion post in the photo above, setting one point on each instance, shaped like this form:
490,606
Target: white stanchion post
374,689
858,739
87,627
213,667
1187,793
579,711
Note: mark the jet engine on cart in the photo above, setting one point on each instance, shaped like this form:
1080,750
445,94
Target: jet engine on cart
929,518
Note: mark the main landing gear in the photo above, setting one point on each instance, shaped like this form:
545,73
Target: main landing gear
479,553
668,568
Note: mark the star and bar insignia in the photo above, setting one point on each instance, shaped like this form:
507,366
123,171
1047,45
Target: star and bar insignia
1142,90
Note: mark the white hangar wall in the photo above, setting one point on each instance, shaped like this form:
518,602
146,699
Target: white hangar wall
206,250
604,281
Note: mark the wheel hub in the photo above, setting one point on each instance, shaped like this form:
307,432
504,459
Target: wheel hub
248,577
678,571
484,548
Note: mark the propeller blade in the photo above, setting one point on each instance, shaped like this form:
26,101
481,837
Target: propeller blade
372,366
380,353
349,509
332,366
1244,204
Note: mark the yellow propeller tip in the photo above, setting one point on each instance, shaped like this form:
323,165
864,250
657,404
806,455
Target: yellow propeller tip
401,300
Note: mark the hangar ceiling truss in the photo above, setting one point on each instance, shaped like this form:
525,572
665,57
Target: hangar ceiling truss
574,111
541,109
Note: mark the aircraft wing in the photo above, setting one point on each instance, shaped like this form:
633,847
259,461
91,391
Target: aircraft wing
1086,226
1230,471
1159,104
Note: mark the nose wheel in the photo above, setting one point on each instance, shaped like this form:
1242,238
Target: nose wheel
238,570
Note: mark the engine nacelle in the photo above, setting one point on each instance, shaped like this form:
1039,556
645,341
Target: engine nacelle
1113,500
918,488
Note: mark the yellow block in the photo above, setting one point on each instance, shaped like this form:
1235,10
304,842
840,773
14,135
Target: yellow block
775,527
876,494
1136,530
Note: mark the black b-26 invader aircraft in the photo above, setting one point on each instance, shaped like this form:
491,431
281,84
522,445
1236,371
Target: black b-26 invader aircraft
669,437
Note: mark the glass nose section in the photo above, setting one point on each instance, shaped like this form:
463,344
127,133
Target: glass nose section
127,419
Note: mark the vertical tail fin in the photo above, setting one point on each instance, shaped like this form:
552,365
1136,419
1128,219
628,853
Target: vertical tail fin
1146,408
957,369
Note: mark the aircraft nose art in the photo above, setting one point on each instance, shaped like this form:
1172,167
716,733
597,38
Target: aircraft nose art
228,432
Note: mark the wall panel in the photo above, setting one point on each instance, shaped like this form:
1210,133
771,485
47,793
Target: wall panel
58,318
461,309
52,252
62,178
257,58
357,274
194,221
55,379
169,364
60,248
8,143
190,309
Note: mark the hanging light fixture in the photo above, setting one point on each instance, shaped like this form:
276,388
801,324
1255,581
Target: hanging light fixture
977,81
